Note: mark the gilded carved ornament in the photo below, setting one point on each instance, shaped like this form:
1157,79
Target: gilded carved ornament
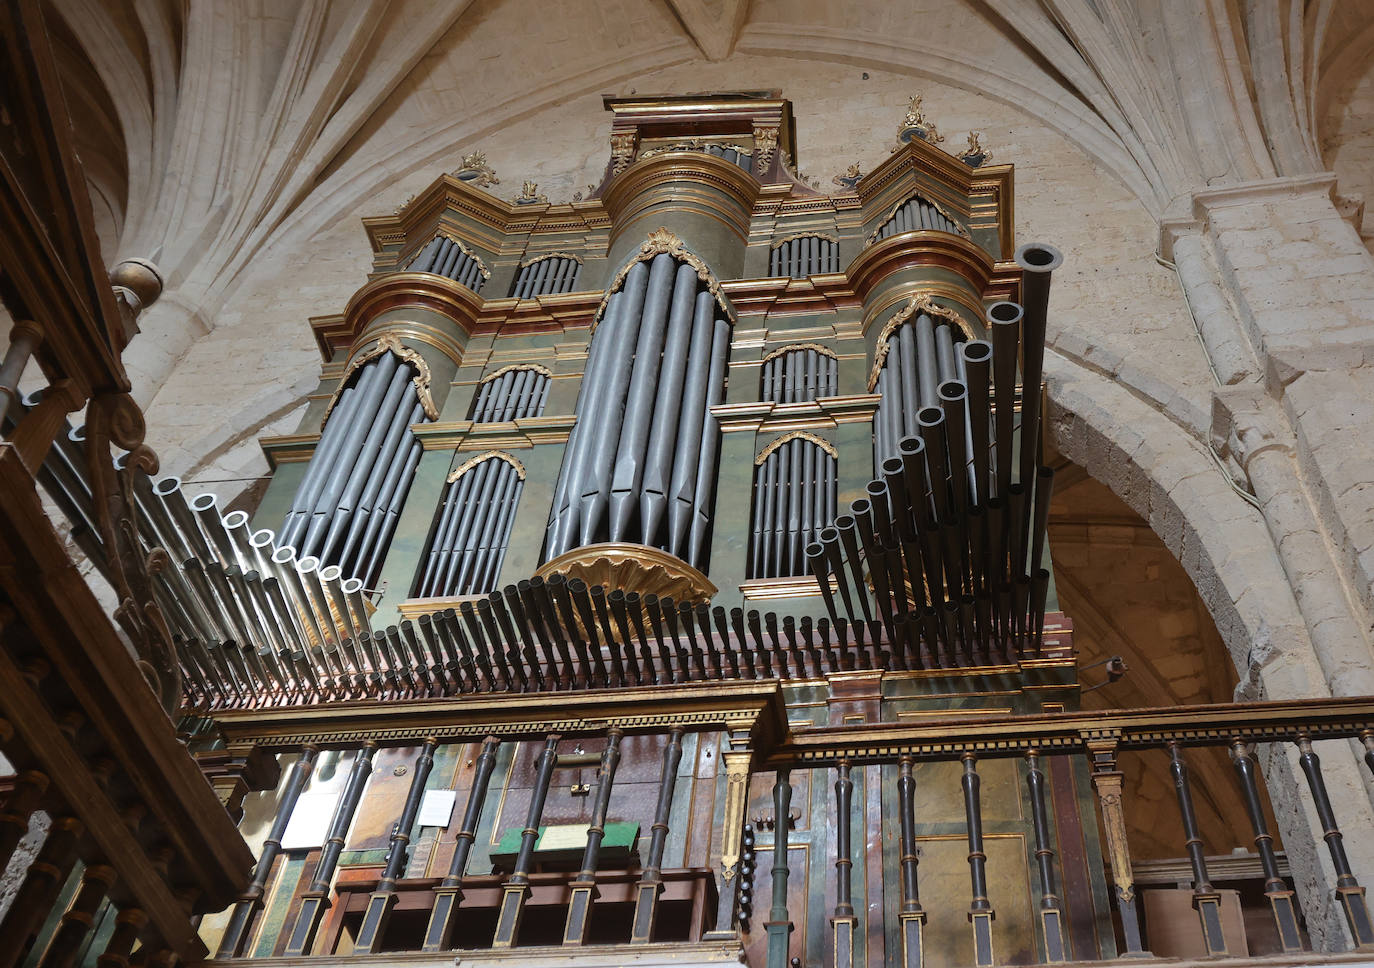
975,155
959,228
474,168
782,350
515,367
849,178
632,568
765,144
622,151
917,125
820,442
530,195
388,343
482,458
919,303
660,241
694,144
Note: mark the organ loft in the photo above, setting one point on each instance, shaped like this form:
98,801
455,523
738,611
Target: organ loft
660,576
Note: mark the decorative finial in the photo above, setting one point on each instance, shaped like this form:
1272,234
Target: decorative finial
849,178
916,125
475,169
529,195
975,155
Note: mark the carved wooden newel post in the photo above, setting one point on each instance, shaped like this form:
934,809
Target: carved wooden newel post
1051,916
1107,783
737,759
1275,888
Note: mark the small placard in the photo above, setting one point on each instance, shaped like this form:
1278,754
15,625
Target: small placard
310,820
436,809
564,836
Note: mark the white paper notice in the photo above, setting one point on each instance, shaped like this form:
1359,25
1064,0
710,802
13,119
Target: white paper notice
437,808
310,820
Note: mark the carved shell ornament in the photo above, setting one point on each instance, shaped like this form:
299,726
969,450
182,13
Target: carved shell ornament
917,125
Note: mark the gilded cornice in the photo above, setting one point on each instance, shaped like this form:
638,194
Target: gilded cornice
468,465
388,343
419,290
755,708
521,434
659,242
765,416
669,177
875,264
787,438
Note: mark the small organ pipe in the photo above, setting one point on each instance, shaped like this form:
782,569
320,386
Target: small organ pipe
977,356
954,402
944,353
393,514
1005,318
927,364
373,493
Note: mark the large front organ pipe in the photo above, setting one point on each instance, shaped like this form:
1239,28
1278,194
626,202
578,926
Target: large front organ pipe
382,477
977,356
663,441
1037,261
639,404
710,445
391,514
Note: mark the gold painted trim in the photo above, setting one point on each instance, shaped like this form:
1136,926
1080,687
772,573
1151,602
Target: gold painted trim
552,255
962,230
483,458
694,144
921,302
659,242
388,343
820,442
782,350
805,235
773,589
515,366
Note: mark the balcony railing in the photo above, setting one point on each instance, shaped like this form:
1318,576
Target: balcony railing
1022,905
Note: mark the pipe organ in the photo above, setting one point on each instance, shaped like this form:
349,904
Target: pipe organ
640,464
572,608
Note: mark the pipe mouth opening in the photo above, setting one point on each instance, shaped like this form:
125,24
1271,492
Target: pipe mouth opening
859,507
913,445
951,390
330,572
977,351
875,488
261,539
930,416
1045,473
844,522
203,502
1004,312
829,535
893,465
166,486
308,563
1039,257
77,435
283,555
235,519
